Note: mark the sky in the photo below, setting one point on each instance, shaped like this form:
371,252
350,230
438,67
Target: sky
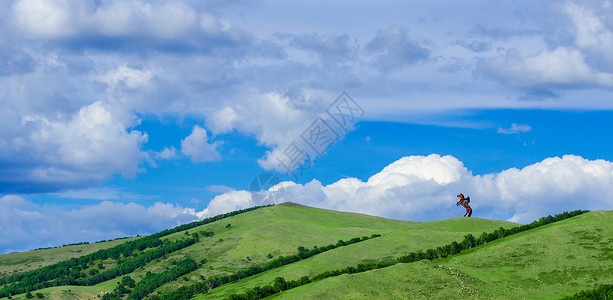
120,118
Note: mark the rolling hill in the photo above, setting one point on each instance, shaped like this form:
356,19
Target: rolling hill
558,259
550,262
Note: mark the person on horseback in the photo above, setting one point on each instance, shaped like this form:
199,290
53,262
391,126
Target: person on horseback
464,202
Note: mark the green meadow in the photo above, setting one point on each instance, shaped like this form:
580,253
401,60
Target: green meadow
551,261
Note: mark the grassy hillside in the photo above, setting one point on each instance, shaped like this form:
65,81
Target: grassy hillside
25,261
522,265
394,242
280,230
550,262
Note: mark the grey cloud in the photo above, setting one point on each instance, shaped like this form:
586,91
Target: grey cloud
543,74
474,45
498,33
330,49
132,26
393,49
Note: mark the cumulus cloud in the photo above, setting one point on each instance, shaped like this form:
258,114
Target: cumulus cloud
82,149
425,187
167,153
274,119
515,129
197,146
44,19
24,225
227,202
126,76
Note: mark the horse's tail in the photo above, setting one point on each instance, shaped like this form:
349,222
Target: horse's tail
470,212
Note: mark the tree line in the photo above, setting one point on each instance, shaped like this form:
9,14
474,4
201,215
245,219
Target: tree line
469,241
187,292
151,281
602,292
69,272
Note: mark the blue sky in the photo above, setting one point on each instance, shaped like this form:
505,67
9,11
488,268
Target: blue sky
128,117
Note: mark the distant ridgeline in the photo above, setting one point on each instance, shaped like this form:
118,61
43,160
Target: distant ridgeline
69,272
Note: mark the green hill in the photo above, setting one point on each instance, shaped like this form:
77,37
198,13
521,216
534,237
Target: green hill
19,262
556,259
550,262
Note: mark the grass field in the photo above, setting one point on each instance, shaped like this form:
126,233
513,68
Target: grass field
25,261
554,260
393,243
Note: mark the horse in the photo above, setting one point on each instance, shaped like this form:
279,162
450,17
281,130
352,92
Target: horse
464,202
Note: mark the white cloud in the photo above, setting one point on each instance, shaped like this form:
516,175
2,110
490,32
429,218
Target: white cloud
274,119
167,153
24,225
556,184
81,149
197,147
93,138
515,129
126,76
227,202
45,19
425,188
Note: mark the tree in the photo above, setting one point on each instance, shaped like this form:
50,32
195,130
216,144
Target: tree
469,241
431,254
128,281
280,284
29,295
